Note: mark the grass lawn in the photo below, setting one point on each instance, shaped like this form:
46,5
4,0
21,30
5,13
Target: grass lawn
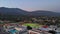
32,25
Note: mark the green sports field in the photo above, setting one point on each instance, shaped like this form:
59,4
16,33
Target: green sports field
32,25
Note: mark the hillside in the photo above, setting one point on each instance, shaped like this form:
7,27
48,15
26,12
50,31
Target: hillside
17,11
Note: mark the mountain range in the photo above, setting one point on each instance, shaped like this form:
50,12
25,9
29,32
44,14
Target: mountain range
17,11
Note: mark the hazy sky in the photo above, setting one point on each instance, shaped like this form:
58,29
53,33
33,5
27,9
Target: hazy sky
30,5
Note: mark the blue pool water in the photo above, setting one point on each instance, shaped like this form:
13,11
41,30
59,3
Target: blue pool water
13,31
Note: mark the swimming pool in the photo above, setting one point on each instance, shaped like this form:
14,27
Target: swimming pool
13,31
